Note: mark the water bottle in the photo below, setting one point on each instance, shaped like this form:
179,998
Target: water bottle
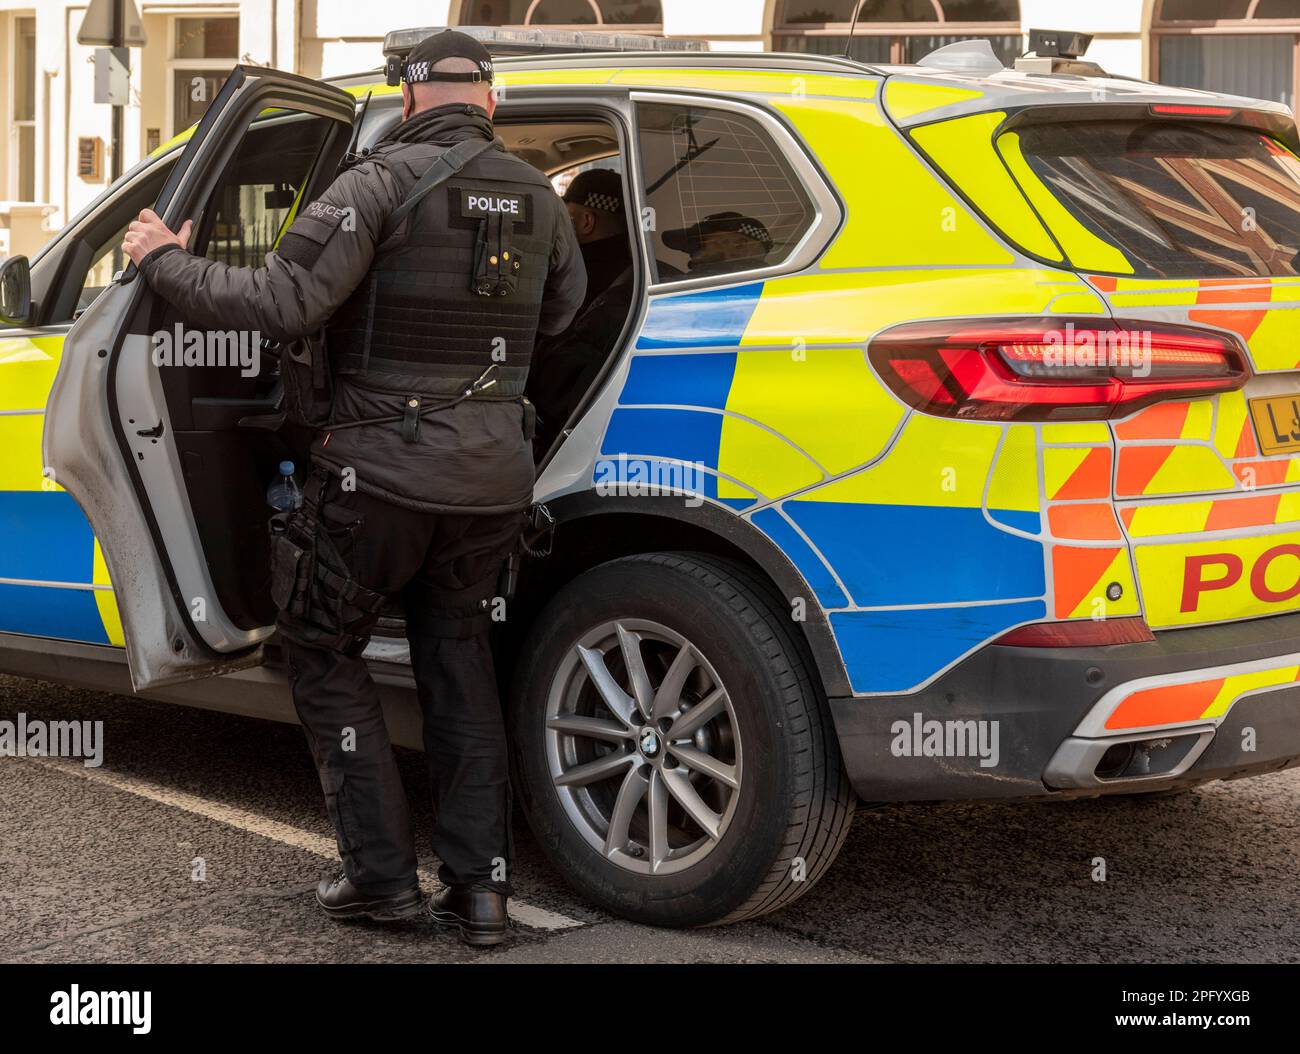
284,494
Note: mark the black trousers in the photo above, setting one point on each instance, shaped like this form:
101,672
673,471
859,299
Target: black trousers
445,567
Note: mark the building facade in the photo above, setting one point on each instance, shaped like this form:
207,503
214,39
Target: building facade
55,153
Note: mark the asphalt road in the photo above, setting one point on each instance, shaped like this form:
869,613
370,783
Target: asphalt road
97,865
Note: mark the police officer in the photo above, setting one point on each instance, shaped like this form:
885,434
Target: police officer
421,475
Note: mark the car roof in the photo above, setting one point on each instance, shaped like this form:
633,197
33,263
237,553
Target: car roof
751,72
681,69
665,60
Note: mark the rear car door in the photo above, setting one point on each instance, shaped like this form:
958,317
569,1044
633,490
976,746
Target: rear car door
158,452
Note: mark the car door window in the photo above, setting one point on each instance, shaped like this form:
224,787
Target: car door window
259,191
722,198
106,261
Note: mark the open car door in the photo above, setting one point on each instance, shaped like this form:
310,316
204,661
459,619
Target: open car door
165,435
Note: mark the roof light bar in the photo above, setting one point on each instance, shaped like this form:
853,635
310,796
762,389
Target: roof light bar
528,41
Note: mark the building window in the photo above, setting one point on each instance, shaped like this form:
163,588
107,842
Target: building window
203,51
897,31
722,198
627,15
1240,47
23,176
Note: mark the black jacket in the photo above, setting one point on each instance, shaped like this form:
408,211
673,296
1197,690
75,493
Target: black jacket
567,363
473,457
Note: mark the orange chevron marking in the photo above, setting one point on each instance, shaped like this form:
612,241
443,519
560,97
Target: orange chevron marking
1084,522
1162,421
1246,446
1244,512
1163,706
1138,466
1212,291
1075,573
1090,480
1266,473
1242,322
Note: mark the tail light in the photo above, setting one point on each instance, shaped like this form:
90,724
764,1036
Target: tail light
1052,369
1079,633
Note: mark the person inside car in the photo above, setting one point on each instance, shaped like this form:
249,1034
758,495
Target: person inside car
568,362
724,241
595,203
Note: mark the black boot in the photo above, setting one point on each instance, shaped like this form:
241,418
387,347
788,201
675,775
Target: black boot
479,914
340,899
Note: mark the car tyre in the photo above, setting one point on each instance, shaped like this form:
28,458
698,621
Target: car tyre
672,750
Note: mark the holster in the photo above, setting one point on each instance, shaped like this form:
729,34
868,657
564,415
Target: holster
321,604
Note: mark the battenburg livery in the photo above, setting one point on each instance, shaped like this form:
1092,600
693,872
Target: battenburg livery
993,429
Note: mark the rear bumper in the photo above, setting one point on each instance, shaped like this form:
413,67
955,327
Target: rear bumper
1215,702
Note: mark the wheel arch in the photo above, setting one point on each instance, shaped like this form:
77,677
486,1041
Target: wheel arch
593,529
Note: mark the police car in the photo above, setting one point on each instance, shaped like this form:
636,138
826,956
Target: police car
949,448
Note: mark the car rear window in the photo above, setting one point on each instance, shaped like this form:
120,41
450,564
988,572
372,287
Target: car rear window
1179,200
721,197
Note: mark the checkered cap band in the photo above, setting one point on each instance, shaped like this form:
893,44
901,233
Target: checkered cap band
603,202
757,233
414,72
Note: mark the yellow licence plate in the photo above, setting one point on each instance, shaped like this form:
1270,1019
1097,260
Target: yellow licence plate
1277,423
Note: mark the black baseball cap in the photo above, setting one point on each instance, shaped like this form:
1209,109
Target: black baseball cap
687,239
597,188
420,60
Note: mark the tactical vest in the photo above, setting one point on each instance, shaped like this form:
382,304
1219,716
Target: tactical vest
456,289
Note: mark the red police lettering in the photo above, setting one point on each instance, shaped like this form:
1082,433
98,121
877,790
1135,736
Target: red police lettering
1195,585
1259,574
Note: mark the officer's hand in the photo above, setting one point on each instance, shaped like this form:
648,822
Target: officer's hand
148,233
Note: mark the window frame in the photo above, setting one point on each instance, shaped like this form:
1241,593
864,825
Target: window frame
1164,27
896,32
14,176
176,65
828,208
465,7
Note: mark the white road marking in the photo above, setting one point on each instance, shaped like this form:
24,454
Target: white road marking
521,911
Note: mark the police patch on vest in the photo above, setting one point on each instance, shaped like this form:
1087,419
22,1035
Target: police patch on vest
305,240
479,204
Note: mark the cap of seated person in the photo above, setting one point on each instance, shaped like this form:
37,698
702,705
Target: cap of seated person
720,239
595,200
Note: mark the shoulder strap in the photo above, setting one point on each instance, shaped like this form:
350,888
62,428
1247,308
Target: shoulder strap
444,166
